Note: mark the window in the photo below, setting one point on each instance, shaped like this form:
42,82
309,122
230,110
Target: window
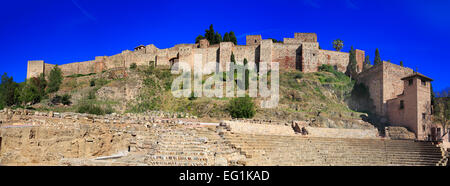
424,83
410,82
402,104
424,116
423,128
256,41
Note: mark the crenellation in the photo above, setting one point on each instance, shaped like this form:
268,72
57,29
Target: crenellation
301,52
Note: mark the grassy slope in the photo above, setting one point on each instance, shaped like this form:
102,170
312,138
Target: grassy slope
303,96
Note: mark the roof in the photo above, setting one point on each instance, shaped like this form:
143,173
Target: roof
416,74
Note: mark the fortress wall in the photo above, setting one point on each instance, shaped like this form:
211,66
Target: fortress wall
392,83
373,79
253,40
360,57
292,41
338,59
306,37
35,68
288,56
247,52
225,53
310,57
266,50
48,68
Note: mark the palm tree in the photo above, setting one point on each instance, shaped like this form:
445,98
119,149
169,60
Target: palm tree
338,44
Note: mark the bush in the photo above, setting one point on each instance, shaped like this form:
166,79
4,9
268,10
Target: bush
55,79
241,107
90,109
92,83
66,99
56,100
133,66
91,94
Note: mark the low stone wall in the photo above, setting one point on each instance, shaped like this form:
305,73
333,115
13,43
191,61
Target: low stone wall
399,133
342,133
264,129
286,130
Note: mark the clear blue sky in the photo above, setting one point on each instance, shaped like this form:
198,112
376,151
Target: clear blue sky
64,31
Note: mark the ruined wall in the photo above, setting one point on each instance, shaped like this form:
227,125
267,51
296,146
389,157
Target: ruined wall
342,133
339,60
310,57
306,37
35,68
393,84
360,57
253,40
373,79
288,56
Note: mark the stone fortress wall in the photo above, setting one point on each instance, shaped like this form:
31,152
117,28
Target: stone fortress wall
301,52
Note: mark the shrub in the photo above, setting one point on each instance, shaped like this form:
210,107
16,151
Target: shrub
66,99
91,94
56,100
55,79
241,107
90,109
92,83
133,66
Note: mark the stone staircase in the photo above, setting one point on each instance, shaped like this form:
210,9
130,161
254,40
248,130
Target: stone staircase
297,150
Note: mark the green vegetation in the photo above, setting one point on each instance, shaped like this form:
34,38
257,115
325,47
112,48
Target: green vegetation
55,79
338,44
9,93
377,59
90,108
133,66
65,99
81,75
215,38
442,112
241,107
367,63
352,67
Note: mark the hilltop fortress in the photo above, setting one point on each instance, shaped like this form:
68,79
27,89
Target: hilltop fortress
301,52
400,95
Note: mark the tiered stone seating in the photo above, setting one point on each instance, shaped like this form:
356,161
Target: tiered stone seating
298,150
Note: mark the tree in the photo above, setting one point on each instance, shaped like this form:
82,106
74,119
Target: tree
366,64
241,107
226,37
8,91
217,38
233,37
198,38
232,58
442,112
55,79
352,67
31,93
401,63
338,44
377,59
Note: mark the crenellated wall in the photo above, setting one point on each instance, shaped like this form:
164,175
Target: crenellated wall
301,52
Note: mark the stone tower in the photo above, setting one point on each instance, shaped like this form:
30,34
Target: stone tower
412,109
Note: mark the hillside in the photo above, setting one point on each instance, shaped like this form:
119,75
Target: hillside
319,98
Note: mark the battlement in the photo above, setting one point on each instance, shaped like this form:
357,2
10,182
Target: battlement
301,52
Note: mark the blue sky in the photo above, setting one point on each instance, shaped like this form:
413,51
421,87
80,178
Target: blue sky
64,31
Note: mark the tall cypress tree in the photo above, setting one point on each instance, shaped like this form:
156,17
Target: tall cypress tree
401,63
366,64
233,38
352,67
377,59
226,37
